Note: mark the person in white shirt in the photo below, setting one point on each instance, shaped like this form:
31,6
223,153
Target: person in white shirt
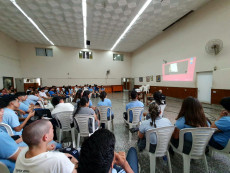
37,135
60,106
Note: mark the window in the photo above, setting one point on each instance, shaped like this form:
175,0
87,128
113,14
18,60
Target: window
118,57
44,52
85,55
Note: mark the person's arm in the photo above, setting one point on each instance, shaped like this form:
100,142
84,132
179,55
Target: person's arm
73,160
120,160
15,156
20,127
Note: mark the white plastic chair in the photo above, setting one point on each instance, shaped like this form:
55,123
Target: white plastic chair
200,139
4,168
8,128
103,110
146,88
225,151
163,136
136,111
162,110
82,121
64,121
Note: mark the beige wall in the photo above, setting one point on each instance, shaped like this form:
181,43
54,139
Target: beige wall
9,58
54,70
188,39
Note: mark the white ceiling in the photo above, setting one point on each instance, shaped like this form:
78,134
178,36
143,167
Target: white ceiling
62,23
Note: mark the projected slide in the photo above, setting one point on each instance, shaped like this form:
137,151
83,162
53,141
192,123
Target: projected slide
182,70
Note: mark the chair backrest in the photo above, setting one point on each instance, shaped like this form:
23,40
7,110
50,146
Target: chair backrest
162,110
136,112
4,168
82,121
103,110
163,135
64,120
8,128
200,139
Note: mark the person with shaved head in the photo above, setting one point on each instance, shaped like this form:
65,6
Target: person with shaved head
37,135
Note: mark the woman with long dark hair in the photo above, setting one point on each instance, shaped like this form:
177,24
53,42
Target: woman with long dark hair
155,121
83,108
191,115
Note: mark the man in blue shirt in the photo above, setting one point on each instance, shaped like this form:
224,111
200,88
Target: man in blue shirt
24,107
9,149
220,138
134,103
10,117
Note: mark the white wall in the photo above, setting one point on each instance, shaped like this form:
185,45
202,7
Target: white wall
9,59
188,39
54,70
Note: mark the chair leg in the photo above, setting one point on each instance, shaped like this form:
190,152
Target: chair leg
109,123
186,160
169,162
60,135
152,159
78,140
130,136
206,163
73,137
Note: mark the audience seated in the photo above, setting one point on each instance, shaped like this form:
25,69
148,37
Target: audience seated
83,108
102,88
33,97
98,156
155,121
42,93
78,95
105,102
88,94
24,108
134,103
191,115
37,136
10,117
60,105
221,137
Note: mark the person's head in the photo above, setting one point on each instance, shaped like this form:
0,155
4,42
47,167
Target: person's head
225,102
157,97
97,152
160,91
11,102
90,86
56,100
42,89
87,93
2,105
84,102
37,133
193,113
103,95
21,96
134,95
78,95
154,112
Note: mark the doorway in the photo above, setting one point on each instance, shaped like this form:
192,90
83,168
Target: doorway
128,83
8,82
204,85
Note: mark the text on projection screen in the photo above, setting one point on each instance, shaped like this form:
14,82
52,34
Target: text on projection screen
181,70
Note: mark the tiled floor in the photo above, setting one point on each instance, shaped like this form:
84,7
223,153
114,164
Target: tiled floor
217,164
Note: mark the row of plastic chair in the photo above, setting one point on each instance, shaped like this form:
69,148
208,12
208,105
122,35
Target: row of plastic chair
64,120
200,136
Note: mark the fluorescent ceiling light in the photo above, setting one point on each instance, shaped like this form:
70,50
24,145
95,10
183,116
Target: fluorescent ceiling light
84,14
132,22
35,25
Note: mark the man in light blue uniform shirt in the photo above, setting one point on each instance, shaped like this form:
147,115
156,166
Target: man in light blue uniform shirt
221,137
134,103
9,149
10,117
